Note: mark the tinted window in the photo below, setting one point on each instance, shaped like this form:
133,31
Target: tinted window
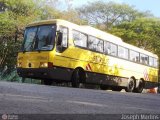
64,30
39,38
95,44
29,38
110,48
79,39
134,56
123,52
155,62
144,59
151,61
44,37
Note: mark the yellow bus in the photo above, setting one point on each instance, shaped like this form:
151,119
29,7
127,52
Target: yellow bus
61,51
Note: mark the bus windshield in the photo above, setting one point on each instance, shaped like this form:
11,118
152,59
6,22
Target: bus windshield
39,38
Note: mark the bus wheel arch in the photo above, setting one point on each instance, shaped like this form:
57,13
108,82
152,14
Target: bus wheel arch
78,76
131,84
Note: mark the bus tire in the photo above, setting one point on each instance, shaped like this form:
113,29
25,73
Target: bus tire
77,78
130,86
140,87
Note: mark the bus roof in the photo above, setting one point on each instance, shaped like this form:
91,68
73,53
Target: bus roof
86,29
94,32
141,50
102,35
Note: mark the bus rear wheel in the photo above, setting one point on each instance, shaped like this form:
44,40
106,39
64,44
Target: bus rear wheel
140,87
130,86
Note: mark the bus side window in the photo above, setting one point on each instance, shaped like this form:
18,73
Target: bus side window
114,49
100,46
79,39
92,43
151,62
144,59
95,44
107,47
110,48
64,32
122,52
62,39
134,56
156,62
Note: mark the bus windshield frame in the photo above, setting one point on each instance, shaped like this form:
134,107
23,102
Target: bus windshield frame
39,38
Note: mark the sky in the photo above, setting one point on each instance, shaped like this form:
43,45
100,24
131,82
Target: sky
142,5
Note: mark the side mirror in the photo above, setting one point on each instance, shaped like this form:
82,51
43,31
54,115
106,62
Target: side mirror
59,38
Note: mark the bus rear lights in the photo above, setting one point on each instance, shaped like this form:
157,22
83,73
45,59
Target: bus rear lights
46,64
50,64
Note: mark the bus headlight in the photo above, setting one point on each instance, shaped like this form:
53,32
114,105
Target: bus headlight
46,64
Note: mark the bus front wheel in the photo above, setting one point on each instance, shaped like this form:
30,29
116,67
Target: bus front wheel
130,86
77,78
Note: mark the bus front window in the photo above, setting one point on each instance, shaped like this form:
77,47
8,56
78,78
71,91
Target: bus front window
39,38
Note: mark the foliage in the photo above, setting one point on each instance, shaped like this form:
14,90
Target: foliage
72,16
104,15
17,14
138,28
143,32
14,16
48,12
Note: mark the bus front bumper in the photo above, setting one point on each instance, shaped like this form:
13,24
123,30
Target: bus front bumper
55,73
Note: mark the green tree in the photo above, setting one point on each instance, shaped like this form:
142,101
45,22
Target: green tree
104,15
48,12
72,16
17,14
143,32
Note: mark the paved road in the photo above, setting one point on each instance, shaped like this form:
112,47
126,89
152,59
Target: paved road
18,98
